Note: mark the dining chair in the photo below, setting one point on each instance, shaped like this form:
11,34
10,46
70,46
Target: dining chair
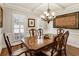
17,52
40,32
56,47
33,32
12,38
64,42
60,30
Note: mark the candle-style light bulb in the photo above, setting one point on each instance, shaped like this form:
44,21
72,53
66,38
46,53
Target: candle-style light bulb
42,16
53,13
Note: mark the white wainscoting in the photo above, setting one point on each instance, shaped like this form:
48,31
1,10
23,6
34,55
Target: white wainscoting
74,40
73,36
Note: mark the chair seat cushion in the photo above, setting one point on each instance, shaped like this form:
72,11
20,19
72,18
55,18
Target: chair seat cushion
48,52
19,51
16,43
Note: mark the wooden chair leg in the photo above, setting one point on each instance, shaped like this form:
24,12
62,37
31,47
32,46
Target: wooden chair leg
26,53
65,52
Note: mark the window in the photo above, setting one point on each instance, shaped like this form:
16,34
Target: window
18,28
18,25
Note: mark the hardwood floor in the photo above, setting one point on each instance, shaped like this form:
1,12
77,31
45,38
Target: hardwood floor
71,51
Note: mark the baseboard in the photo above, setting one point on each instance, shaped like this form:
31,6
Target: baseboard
73,44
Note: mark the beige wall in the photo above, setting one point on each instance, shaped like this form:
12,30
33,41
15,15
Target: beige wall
7,20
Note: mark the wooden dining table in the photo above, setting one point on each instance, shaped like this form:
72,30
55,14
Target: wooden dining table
36,44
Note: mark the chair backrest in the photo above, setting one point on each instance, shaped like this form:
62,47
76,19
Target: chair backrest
6,39
40,32
57,44
60,30
65,38
33,32
11,37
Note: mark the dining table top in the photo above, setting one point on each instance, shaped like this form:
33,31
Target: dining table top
35,43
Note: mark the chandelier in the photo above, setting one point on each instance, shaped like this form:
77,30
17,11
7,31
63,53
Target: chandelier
48,15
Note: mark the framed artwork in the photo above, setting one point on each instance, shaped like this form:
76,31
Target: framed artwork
1,17
31,22
69,21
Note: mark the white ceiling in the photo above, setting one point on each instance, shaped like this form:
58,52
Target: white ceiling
39,8
43,6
